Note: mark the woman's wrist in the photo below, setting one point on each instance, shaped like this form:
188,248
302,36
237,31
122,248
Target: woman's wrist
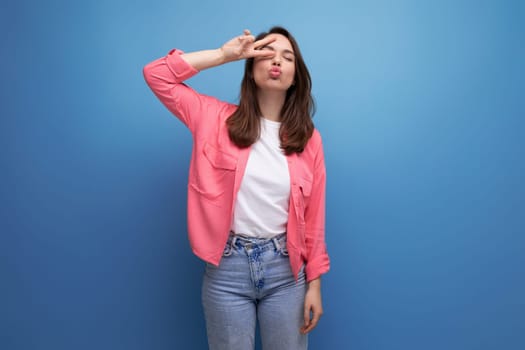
222,56
315,283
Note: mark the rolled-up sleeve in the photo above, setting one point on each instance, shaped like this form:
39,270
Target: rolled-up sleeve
165,76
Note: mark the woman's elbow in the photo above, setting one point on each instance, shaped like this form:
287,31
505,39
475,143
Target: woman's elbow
147,72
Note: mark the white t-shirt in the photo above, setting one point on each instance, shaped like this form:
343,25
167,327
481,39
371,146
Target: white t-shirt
261,209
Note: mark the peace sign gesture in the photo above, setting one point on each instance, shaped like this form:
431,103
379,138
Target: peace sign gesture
240,47
245,46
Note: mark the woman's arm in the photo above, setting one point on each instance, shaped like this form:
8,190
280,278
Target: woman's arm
318,262
243,46
166,75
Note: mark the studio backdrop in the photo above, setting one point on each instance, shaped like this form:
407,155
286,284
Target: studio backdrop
421,108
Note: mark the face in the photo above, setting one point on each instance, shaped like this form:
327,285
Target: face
275,73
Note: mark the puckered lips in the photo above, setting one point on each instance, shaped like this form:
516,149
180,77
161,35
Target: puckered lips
275,72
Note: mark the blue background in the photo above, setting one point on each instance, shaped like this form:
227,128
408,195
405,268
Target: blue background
421,106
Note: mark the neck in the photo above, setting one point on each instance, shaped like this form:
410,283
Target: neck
271,103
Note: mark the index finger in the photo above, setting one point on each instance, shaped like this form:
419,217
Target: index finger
312,323
264,41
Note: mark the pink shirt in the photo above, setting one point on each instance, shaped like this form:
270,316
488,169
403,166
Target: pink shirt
217,167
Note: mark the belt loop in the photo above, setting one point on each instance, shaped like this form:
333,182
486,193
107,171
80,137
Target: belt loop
276,244
283,240
230,244
234,240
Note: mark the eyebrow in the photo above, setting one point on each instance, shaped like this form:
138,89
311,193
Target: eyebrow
285,50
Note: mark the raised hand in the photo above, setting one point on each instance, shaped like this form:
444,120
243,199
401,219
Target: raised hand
240,47
245,46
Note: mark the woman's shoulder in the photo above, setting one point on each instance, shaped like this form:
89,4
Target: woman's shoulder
315,140
313,147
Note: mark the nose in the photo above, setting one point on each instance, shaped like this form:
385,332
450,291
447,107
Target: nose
276,61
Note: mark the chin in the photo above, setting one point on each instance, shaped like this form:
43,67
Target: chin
276,86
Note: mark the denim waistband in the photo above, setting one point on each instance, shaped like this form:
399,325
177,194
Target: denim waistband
277,242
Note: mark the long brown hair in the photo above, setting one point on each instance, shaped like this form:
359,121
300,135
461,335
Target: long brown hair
296,115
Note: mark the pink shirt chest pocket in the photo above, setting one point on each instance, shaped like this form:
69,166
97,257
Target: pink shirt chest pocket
214,172
302,190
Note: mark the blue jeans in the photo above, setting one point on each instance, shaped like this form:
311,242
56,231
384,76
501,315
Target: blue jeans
254,282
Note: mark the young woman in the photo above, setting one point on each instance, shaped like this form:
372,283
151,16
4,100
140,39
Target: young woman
256,190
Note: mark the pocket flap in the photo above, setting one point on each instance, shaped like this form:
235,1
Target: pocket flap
306,186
